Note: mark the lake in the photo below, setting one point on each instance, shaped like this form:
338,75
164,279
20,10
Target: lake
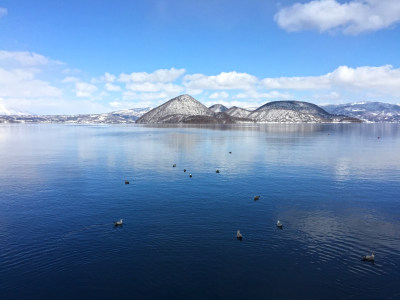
335,188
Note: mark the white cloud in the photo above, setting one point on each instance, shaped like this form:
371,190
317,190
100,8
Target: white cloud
25,58
193,92
71,71
131,95
143,87
329,96
155,87
112,87
3,11
225,80
102,94
109,77
254,94
384,79
70,79
297,83
128,105
60,106
22,83
351,17
220,95
25,84
85,90
158,76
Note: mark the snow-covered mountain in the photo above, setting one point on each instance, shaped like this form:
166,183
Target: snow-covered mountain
218,108
134,112
367,111
294,112
238,112
128,116
181,109
185,109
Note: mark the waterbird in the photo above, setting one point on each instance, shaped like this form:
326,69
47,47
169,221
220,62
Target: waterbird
279,225
230,152
174,165
184,170
190,175
239,236
369,257
217,171
118,223
126,182
256,198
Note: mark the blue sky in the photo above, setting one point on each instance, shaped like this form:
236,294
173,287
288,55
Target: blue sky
99,56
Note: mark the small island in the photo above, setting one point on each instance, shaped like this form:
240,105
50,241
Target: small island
184,109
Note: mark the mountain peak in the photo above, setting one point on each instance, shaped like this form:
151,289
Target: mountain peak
292,111
176,110
218,108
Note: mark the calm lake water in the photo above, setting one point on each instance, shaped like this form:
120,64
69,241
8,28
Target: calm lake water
335,188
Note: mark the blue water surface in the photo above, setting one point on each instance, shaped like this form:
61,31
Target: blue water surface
335,188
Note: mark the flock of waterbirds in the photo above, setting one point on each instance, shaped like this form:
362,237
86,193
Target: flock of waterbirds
239,236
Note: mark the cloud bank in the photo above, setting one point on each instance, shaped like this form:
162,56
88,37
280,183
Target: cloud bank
351,17
35,83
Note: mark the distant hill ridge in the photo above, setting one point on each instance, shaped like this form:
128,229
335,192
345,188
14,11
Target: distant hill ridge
190,110
367,111
127,116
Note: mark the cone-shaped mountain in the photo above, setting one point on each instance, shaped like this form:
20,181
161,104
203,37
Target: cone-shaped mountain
176,110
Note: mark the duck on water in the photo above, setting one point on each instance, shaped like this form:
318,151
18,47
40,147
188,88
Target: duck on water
369,257
118,223
279,224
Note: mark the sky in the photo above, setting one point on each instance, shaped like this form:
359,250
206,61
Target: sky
93,56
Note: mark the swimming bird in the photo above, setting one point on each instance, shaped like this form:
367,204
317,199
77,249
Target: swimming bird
118,223
126,182
190,175
174,165
217,171
184,170
279,225
369,257
239,236
230,152
256,198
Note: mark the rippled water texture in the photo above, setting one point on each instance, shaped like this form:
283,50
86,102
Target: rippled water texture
335,188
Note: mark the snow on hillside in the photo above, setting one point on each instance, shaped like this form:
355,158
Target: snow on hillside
367,111
238,112
218,108
290,111
175,110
